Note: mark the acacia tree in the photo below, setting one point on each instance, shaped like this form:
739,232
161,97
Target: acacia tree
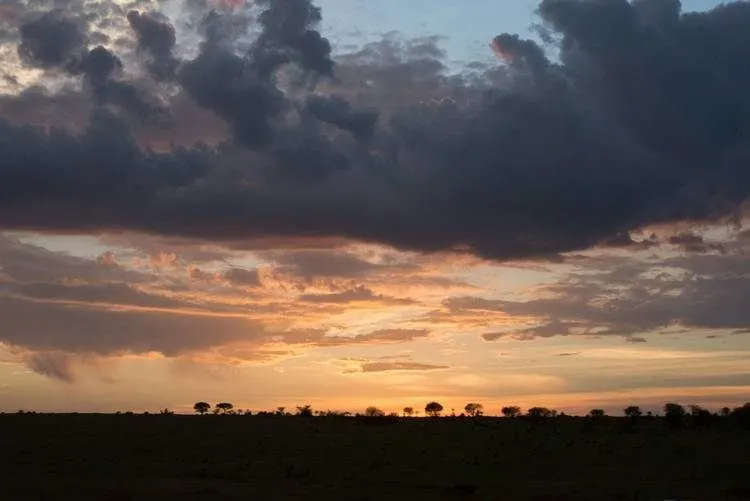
201,407
541,413
305,410
511,411
674,414
633,412
224,407
597,413
374,412
474,409
433,409
742,415
408,411
700,417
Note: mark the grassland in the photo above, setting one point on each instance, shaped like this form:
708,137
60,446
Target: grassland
108,457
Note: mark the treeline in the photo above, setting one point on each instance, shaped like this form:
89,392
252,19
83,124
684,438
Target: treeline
673,414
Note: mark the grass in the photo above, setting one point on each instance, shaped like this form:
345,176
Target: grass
108,457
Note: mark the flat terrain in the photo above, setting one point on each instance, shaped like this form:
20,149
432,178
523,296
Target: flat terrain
108,457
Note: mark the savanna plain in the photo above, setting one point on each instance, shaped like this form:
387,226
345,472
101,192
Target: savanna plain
129,457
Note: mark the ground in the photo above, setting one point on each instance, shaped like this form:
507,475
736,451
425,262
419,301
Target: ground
109,457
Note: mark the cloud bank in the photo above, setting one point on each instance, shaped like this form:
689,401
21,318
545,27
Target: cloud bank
643,120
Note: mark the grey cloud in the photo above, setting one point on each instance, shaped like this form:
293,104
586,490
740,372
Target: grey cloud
393,365
55,365
520,52
642,121
395,335
98,67
24,263
400,366
221,81
289,34
59,39
157,39
49,326
337,111
61,304
52,39
357,294
243,277
635,339
310,264
692,242
115,294
629,298
385,336
38,106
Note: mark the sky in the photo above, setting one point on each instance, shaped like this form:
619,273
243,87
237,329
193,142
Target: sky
375,203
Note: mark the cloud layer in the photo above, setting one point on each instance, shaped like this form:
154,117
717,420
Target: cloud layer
644,119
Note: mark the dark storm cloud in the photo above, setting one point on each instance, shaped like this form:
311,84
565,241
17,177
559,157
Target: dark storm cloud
99,67
38,106
289,34
103,167
242,89
157,39
644,120
337,111
222,81
52,39
59,38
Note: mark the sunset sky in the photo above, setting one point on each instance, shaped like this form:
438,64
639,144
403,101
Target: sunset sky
252,203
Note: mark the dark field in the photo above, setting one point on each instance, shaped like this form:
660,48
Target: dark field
107,457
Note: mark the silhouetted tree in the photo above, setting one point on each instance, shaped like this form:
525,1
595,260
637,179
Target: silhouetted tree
280,411
474,409
633,412
224,407
408,411
673,414
511,411
305,410
725,412
374,412
166,412
433,409
201,407
700,417
742,416
538,413
597,413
